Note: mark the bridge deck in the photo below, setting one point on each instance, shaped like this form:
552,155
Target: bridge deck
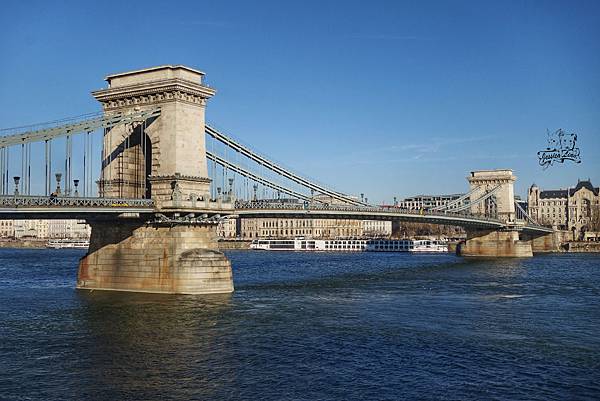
63,207
266,210
43,207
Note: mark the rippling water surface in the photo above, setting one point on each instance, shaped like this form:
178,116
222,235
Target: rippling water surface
308,326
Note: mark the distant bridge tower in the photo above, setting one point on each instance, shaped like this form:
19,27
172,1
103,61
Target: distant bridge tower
502,202
496,188
150,158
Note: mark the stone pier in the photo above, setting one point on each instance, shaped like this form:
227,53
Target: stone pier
545,243
173,250
155,257
491,243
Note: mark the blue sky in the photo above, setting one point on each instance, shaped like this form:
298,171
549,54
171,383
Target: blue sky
385,98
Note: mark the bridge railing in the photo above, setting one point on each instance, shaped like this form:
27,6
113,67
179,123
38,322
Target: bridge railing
253,205
29,201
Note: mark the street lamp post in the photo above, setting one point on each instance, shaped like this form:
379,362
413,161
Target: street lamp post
230,188
58,178
17,179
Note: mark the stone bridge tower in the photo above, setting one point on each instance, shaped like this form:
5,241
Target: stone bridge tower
150,158
500,205
174,249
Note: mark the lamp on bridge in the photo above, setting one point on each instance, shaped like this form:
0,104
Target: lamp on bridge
17,179
58,178
76,184
230,187
218,192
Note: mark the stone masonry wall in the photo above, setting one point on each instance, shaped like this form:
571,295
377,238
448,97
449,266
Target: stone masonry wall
494,244
132,256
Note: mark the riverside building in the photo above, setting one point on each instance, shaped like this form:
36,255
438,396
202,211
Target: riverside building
290,228
35,228
425,202
7,229
574,209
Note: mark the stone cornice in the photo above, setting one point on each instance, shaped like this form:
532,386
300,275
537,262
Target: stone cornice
504,180
154,92
179,177
155,86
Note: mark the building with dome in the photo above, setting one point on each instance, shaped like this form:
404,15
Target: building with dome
574,209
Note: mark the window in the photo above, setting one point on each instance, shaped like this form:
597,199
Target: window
586,208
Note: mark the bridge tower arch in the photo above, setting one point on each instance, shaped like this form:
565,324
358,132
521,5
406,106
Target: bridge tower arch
177,149
502,182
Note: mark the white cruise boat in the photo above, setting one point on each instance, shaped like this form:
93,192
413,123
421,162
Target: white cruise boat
337,245
350,245
428,245
68,243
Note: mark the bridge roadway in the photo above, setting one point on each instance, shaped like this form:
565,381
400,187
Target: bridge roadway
73,207
317,211
21,207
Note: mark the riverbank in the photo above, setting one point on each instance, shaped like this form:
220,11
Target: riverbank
226,244
31,243
566,247
237,244
581,246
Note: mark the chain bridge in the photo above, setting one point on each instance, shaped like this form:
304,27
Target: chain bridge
153,180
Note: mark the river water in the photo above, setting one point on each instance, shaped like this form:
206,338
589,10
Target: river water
308,326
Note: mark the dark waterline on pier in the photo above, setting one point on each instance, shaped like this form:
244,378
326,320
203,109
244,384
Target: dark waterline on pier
308,326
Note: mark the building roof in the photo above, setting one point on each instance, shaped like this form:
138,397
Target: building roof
562,193
554,193
587,184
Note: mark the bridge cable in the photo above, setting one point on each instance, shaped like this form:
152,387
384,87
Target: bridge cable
449,205
2,156
29,169
261,180
144,167
49,167
278,169
478,200
1,168
527,216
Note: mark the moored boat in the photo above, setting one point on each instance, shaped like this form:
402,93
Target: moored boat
350,245
68,243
